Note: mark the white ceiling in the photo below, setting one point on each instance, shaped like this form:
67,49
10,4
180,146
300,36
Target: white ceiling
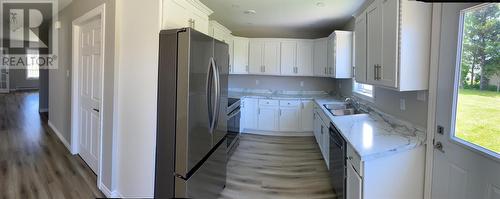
283,18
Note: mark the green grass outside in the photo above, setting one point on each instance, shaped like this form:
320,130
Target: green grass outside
478,118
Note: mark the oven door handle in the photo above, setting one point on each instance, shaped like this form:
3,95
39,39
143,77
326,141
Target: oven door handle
234,113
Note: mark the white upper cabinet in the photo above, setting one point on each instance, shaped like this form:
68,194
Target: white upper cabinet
240,55
340,54
271,58
289,58
264,57
360,49
305,50
320,57
184,13
397,39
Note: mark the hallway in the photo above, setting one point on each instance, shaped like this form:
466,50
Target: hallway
33,162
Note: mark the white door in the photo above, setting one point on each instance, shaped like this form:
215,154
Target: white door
466,155
240,55
271,57
360,49
268,118
90,71
289,119
289,58
255,58
306,115
320,57
305,56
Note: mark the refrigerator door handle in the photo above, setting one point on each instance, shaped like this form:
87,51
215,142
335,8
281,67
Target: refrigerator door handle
217,95
210,80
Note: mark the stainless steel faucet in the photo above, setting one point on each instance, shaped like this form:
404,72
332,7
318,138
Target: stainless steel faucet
351,101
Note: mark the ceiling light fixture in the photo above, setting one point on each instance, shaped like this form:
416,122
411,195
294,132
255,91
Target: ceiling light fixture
250,12
320,4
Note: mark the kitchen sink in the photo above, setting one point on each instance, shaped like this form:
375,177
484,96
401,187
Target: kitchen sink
341,109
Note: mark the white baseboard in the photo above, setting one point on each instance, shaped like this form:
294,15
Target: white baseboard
109,194
277,133
59,135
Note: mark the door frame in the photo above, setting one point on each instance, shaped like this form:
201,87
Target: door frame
92,14
5,53
432,99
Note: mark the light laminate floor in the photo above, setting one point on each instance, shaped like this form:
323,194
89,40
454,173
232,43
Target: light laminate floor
33,162
272,167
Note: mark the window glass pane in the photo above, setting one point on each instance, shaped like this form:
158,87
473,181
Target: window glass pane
363,89
32,70
478,102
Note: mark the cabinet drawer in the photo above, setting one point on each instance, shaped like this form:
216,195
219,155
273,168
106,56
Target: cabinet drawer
265,102
354,159
289,103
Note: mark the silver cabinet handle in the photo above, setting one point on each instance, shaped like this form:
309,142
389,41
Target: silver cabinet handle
280,112
375,72
326,71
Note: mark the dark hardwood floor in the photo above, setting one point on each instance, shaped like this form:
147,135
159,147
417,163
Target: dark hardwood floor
33,162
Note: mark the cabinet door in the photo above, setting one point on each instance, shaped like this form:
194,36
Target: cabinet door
307,115
268,118
289,58
317,129
354,183
326,144
320,61
388,72
175,14
271,58
360,49
342,51
332,39
374,40
240,55
289,119
305,50
249,113
255,57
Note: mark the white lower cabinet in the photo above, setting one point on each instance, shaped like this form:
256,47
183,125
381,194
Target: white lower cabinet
277,115
249,113
268,118
354,183
289,119
306,116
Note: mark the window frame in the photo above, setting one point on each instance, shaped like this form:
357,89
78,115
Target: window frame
456,82
29,54
363,95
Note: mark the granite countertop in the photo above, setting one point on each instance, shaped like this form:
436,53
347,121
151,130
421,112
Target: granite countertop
372,135
375,135
279,95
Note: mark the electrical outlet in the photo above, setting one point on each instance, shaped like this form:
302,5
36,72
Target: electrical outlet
301,83
402,104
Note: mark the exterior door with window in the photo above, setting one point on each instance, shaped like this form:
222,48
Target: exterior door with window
90,78
467,143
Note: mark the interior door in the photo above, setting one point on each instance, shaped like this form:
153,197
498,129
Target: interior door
90,78
461,169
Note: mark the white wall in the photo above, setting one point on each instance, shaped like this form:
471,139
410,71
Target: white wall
138,25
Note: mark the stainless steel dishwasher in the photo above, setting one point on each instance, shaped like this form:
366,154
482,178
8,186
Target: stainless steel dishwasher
337,161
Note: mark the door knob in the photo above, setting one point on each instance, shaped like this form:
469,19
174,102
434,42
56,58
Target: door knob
439,146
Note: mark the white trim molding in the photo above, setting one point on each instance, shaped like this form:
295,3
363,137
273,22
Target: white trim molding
431,108
59,135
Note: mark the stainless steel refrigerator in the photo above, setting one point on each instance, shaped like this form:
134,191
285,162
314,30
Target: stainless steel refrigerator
192,102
